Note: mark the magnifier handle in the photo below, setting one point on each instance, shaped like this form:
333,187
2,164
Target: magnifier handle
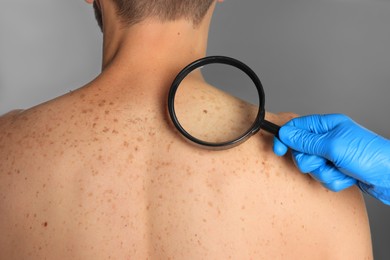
270,127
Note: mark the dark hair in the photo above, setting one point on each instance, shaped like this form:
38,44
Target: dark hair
134,11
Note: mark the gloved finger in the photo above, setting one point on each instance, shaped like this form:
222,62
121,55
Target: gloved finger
307,162
332,178
280,149
302,140
340,185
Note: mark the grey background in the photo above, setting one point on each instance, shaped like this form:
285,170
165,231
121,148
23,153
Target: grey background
321,56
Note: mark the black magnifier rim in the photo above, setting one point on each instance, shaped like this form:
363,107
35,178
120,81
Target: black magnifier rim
218,60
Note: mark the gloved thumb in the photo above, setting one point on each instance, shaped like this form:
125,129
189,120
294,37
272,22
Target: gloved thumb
302,140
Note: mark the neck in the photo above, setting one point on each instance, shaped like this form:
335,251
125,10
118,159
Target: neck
152,50
163,41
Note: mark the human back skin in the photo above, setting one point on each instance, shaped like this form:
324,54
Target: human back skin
101,174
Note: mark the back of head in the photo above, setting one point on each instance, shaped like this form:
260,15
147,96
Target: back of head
134,11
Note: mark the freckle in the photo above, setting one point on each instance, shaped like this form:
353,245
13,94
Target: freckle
90,194
205,220
140,139
107,112
115,120
95,173
191,190
160,196
111,103
126,144
130,157
205,111
243,207
210,204
115,131
102,103
106,129
45,224
136,148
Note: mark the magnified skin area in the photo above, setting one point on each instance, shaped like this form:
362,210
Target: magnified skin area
210,114
100,174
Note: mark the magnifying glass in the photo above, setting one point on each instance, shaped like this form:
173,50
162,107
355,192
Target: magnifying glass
217,102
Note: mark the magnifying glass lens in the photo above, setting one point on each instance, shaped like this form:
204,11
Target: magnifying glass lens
216,103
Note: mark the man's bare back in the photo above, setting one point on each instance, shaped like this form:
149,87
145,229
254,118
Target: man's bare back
100,173
95,175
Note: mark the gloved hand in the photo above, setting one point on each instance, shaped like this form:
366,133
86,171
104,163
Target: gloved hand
339,153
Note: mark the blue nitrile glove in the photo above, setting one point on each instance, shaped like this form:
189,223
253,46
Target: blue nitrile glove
339,153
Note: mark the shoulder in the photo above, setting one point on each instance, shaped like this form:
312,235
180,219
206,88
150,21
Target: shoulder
337,220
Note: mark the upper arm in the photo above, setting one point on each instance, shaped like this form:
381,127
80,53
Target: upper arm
336,223
351,231
343,215
348,224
